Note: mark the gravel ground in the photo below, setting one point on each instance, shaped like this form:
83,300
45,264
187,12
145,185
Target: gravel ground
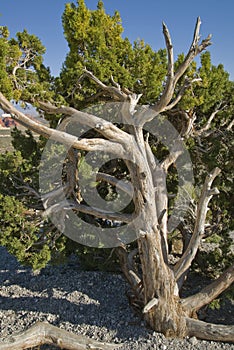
89,303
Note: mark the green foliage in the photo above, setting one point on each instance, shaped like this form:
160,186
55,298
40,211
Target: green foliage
5,81
22,73
20,166
19,234
24,231
95,42
215,84
215,304
225,297
216,259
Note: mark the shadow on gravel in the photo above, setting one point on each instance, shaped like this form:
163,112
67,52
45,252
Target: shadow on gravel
67,294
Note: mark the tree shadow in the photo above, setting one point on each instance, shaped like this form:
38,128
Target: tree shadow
66,294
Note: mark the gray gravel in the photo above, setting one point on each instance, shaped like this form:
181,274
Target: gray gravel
89,303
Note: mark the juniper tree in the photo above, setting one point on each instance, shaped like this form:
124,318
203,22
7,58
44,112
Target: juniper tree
102,67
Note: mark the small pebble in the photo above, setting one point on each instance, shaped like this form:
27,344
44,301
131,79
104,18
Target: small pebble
193,341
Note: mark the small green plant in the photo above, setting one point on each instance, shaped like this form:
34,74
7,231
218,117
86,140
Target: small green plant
215,304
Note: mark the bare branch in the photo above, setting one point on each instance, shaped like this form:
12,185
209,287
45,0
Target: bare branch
170,82
123,95
128,271
176,151
169,51
134,99
30,191
188,120
209,121
172,78
27,56
195,49
125,218
150,156
123,186
209,293
230,125
99,145
188,129
196,34
153,302
209,331
115,83
66,205
114,91
106,128
180,94
186,260
44,333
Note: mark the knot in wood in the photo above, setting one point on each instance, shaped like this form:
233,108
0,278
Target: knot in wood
99,126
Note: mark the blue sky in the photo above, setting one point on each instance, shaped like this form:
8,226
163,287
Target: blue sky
141,19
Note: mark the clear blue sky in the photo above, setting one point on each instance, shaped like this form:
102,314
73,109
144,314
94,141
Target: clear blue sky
141,19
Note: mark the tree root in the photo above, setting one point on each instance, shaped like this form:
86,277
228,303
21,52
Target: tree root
44,333
210,331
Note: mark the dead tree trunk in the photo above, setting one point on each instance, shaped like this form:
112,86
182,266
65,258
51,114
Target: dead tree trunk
157,287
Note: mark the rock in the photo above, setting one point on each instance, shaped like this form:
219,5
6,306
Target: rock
193,341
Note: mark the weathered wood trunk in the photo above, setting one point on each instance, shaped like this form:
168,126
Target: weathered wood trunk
163,312
162,309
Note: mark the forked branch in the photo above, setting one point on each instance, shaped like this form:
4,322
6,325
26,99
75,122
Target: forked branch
164,102
115,90
209,121
129,98
105,128
176,100
177,150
